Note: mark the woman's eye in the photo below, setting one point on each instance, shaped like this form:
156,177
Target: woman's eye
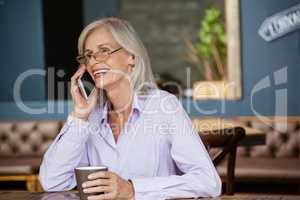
104,50
88,56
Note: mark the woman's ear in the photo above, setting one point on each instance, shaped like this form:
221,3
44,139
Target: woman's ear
132,60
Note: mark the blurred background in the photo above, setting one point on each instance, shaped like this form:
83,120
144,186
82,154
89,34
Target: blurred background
187,41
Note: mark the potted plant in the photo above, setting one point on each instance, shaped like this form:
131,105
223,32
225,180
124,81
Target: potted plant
208,54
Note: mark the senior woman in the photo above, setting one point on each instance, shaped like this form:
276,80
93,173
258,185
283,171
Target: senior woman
142,134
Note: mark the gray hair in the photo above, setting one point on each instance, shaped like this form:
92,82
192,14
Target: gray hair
141,77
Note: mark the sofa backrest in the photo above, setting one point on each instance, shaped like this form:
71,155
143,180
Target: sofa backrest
27,138
282,137
32,138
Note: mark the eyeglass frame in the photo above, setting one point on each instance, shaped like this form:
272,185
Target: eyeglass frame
86,61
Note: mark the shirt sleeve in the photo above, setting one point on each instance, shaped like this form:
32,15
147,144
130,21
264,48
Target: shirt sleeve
199,179
67,152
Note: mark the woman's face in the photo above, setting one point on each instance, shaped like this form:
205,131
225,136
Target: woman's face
112,69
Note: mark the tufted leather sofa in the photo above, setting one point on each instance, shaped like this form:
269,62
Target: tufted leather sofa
22,145
278,160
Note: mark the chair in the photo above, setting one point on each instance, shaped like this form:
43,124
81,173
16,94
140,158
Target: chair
226,140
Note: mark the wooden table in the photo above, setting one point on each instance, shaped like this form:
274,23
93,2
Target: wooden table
23,195
253,136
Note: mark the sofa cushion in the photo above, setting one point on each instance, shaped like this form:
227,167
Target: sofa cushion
19,165
264,169
16,170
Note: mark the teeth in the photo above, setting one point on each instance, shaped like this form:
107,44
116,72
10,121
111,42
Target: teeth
101,71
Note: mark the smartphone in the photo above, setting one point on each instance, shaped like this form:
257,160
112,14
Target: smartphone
86,84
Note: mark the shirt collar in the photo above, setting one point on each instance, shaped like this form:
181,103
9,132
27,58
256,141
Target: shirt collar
135,112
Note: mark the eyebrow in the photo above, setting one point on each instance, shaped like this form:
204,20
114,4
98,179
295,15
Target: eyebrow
87,51
100,45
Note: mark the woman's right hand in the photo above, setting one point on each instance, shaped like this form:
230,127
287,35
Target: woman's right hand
82,106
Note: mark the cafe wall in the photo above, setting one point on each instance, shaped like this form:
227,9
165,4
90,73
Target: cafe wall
22,35
261,60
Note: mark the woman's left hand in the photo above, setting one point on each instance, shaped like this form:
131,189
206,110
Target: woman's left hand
110,183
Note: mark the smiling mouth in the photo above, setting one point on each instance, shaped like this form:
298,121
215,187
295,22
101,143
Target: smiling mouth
101,72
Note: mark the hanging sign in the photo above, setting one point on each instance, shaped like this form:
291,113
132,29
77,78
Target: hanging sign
280,23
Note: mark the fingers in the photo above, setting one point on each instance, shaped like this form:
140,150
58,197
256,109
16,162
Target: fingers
102,174
75,90
116,187
97,189
103,184
97,182
93,97
77,74
95,92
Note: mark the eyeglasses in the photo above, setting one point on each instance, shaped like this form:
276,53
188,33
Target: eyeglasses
101,55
